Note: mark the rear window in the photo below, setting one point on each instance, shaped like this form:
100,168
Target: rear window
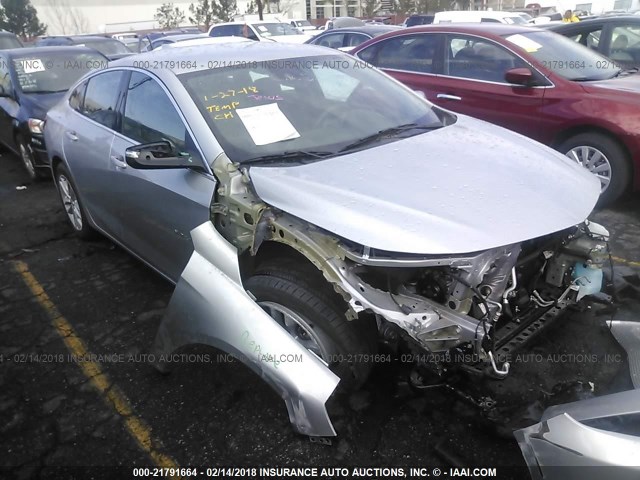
9,41
54,72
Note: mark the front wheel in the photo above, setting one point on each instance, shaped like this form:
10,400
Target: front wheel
604,158
315,318
71,203
27,160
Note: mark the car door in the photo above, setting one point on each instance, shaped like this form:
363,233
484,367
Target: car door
8,105
158,208
86,142
473,83
413,59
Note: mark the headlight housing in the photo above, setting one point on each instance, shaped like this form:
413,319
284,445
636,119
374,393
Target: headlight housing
36,125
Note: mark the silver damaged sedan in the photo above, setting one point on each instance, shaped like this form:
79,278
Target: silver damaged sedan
307,205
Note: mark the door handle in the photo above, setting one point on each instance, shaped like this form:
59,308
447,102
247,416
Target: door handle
72,136
118,161
444,96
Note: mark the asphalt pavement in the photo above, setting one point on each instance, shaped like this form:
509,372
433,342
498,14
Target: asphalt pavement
77,321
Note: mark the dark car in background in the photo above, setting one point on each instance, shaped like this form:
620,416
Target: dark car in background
349,37
109,47
158,41
617,37
529,80
32,80
9,40
415,20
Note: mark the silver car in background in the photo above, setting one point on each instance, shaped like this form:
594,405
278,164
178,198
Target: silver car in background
307,204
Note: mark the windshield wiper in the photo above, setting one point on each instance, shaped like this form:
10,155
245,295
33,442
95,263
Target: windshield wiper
290,155
387,132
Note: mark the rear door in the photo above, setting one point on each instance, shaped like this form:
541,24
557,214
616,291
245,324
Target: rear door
158,208
88,135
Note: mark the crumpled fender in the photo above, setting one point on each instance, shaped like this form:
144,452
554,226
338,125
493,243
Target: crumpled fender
210,306
561,440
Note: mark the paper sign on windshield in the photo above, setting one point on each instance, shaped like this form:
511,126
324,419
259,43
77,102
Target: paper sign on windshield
31,65
267,124
525,43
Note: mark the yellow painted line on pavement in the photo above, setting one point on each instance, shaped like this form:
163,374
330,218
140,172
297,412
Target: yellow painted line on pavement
113,396
625,261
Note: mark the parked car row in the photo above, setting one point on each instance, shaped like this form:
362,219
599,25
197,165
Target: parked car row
312,211
306,204
32,80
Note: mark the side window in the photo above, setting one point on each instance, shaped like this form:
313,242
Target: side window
101,97
625,44
221,31
149,115
356,39
333,40
477,59
5,76
76,99
413,53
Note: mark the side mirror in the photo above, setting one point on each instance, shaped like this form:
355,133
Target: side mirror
519,76
159,155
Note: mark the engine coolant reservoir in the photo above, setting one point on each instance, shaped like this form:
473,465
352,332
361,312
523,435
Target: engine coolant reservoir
588,278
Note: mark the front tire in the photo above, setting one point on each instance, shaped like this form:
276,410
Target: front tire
603,157
72,204
315,316
27,160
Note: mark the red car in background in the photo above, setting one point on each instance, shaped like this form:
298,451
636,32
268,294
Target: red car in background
529,80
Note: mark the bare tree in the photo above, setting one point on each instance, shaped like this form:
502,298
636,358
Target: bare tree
66,19
370,7
404,6
281,6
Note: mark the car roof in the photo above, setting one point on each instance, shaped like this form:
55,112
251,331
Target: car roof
206,40
248,22
370,29
490,28
635,19
229,52
35,51
177,37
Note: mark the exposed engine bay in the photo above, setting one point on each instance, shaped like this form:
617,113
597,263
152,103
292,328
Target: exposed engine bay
478,307
462,312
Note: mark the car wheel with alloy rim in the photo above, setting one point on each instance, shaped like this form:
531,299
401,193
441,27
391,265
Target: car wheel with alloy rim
603,157
72,204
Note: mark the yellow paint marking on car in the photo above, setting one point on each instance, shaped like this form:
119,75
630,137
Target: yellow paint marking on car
113,396
625,261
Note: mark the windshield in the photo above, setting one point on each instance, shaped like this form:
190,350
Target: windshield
107,46
324,105
7,42
565,57
54,72
275,29
303,23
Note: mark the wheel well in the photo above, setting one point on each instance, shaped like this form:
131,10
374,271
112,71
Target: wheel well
573,131
270,251
55,161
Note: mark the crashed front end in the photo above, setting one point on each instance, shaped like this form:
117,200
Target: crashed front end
469,311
